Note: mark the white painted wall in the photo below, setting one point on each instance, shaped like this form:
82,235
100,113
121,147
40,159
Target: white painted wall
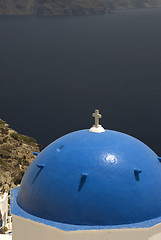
26,229
4,208
5,237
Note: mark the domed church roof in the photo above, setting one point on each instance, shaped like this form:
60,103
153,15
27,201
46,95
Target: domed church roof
97,177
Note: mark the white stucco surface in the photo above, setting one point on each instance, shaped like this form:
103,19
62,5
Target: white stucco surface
5,237
4,207
155,237
26,229
98,129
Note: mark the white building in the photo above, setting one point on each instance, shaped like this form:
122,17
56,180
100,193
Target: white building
4,208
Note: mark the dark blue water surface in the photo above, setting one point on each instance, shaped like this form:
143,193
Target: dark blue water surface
54,71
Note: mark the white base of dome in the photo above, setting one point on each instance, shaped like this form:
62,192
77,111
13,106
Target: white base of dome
98,129
27,229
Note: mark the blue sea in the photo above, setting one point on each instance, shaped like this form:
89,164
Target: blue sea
55,71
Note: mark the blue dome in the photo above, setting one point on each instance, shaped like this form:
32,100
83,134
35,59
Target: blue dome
87,178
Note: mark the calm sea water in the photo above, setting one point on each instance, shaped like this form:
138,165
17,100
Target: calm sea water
54,71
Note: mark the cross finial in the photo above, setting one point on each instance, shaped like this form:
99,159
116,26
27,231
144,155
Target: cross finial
96,115
97,128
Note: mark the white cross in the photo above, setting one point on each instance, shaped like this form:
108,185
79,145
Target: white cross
96,115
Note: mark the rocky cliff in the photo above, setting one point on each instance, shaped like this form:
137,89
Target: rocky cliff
16,154
70,7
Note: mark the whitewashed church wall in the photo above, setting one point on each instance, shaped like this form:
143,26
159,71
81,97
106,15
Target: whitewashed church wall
26,229
155,232
29,230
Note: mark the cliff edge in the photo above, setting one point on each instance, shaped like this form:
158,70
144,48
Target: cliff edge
16,154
